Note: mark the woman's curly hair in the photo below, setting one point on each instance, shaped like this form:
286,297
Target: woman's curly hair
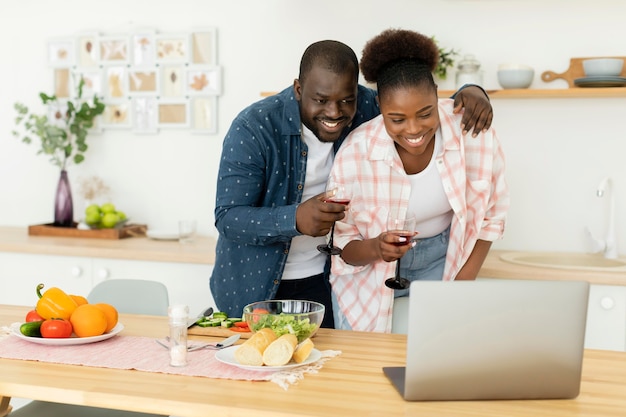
399,58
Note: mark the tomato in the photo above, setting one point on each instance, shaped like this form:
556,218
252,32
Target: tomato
241,324
56,328
239,329
256,312
32,315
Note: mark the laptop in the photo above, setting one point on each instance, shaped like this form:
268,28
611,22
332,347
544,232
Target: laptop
493,339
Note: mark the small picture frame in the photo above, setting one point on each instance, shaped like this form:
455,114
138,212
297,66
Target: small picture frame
61,52
56,113
173,114
93,81
115,82
143,82
204,46
88,50
114,50
62,82
204,115
172,48
203,80
117,114
172,81
144,113
143,45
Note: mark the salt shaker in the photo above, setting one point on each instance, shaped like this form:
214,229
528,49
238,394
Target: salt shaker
178,315
468,72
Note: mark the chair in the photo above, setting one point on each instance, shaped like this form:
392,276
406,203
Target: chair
400,318
130,296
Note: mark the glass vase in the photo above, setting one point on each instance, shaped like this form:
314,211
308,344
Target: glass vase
63,206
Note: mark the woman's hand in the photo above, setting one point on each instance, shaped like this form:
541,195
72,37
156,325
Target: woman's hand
392,247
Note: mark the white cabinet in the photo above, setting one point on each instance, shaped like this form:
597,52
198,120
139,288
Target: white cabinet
187,283
606,318
21,273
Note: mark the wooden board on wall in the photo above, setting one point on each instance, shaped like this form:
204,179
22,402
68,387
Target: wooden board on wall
575,71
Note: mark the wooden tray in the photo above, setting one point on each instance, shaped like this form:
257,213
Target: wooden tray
216,331
128,230
576,70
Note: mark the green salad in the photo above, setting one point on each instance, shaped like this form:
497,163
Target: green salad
285,323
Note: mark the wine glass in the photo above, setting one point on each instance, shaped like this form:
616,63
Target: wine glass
335,193
401,224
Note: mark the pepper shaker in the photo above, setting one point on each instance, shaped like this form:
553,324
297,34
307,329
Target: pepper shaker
178,315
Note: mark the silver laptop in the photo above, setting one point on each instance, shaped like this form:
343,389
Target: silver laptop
493,340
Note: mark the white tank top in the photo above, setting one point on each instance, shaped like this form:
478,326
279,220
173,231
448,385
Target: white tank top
304,260
428,201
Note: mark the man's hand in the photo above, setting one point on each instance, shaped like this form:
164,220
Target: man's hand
478,113
314,217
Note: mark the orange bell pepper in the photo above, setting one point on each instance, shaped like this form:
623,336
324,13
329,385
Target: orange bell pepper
54,304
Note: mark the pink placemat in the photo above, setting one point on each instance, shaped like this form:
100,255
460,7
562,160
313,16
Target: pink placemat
144,354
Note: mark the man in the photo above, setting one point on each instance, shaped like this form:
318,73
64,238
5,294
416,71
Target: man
276,158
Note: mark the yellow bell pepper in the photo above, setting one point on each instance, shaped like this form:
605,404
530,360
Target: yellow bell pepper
54,304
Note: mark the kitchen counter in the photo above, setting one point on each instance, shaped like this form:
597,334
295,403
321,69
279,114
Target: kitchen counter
494,267
202,251
17,239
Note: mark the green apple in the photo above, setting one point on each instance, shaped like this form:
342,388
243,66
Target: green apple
109,220
121,215
93,208
93,218
108,208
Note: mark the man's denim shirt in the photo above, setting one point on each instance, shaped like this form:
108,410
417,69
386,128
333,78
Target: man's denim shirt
260,183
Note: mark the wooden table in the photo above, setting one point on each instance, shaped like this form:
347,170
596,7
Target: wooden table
351,384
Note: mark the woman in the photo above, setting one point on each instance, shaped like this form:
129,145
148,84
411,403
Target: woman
413,156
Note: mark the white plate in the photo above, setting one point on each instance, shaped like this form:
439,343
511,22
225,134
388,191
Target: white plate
162,235
227,356
69,340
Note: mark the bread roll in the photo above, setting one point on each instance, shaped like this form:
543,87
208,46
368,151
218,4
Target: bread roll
251,351
280,351
303,350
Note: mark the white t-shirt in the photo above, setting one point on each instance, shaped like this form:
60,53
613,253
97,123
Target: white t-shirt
428,200
304,260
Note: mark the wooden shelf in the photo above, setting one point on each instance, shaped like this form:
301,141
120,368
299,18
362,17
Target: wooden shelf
536,93
551,93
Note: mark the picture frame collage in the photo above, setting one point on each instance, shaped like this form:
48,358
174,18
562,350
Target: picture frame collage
147,80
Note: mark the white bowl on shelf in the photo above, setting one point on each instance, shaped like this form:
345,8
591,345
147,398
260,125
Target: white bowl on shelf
515,76
607,67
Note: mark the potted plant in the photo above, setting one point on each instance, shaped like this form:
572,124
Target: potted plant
63,137
446,60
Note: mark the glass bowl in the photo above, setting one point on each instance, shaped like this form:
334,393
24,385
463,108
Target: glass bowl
298,317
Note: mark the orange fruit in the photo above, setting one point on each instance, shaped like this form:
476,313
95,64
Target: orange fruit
88,320
79,299
111,314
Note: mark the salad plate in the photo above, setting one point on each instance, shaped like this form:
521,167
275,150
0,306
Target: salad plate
67,341
162,235
227,356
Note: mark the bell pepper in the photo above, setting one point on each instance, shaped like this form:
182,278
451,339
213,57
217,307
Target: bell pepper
54,303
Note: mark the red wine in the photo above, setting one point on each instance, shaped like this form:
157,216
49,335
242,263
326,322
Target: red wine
344,201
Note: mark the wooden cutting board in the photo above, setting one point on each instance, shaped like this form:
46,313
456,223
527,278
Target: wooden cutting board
576,70
216,331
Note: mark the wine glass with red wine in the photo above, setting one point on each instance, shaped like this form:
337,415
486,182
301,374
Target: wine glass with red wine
335,193
401,224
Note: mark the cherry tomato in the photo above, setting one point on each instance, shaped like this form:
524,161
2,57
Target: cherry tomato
56,328
32,315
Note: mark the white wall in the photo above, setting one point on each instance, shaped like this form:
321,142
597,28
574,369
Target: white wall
558,149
